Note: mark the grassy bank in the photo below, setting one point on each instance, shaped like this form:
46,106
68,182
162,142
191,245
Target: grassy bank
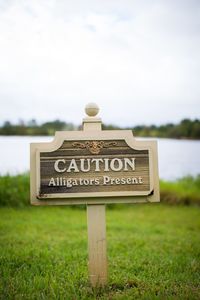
153,253
14,191
183,191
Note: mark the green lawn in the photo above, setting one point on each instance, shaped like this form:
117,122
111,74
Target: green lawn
153,252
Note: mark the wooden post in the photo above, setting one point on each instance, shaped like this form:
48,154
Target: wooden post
97,244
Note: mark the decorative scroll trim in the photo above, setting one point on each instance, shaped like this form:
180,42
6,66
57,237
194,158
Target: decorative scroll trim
94,146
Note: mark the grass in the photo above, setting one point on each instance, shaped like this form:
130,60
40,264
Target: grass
153,253
183,191
14,191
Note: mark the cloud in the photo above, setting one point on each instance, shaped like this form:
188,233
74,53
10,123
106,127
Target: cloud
139,60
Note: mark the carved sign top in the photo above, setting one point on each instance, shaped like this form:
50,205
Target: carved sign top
94,146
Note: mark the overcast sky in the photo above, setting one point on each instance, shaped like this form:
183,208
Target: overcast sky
138,60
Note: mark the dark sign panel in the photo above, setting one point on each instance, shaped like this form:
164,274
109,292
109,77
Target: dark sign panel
96,166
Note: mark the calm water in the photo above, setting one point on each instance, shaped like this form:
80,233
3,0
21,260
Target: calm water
177,158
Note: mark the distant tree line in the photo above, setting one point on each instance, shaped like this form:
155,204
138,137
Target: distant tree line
187,128
32,128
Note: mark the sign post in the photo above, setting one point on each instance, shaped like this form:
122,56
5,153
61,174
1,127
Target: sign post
97,244
94,167
96,220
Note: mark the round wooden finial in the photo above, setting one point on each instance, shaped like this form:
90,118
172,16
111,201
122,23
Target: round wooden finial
91,109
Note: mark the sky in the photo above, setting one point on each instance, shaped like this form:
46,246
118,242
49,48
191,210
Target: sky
138,60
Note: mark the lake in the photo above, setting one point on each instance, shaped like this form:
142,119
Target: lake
177,158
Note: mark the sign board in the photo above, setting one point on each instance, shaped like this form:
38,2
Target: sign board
94,166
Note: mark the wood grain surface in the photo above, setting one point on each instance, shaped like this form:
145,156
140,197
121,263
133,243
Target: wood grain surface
79,150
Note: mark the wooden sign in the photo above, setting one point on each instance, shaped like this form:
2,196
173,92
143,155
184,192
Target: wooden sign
94,167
